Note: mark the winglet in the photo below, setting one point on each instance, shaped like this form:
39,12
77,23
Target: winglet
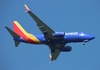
50,58
26,7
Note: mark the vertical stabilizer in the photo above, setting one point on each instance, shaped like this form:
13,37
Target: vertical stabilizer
18,29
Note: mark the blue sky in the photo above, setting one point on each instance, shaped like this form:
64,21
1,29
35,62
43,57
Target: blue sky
60,15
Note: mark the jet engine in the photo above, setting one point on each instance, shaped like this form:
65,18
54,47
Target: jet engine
66,49
59,34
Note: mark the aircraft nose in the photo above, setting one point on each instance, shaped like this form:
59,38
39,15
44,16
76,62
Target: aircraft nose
92,37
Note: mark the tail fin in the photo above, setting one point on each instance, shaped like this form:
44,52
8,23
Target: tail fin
14,35
18,29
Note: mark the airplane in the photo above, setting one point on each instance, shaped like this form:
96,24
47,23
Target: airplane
56,41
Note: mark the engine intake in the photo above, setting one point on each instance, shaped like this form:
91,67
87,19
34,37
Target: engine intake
59,34
66,49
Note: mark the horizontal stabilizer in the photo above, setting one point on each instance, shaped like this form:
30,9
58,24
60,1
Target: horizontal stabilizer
17,43
12,32
14,35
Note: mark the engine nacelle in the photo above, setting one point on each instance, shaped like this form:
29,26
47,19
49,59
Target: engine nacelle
59,34
66,49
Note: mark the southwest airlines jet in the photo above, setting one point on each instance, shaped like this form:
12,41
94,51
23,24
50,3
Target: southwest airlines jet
56,41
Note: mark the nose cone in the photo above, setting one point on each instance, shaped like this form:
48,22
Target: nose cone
92,37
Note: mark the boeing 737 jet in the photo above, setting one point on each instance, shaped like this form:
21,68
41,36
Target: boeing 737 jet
56,41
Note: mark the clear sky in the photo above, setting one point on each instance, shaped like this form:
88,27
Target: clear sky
60,15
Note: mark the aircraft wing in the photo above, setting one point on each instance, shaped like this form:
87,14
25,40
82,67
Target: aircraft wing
55,50
54,55
46,30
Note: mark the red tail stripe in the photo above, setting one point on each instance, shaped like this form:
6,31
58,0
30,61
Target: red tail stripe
20,33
